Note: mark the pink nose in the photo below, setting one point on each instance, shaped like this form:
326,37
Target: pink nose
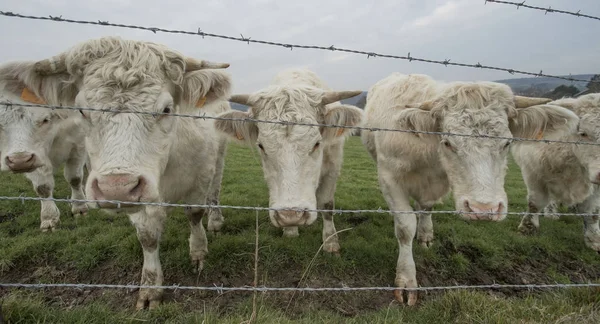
122,187
287,218
480,211
21,162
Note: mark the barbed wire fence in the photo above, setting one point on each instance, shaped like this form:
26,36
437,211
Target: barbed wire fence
546,10
199,32
248,40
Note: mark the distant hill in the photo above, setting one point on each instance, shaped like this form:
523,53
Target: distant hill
521,86
237,106
544,84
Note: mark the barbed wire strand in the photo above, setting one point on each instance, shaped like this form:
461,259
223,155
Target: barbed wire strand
547,10
291,46
305,289
124,204
373,129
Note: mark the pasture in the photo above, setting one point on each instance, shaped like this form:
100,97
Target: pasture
102,248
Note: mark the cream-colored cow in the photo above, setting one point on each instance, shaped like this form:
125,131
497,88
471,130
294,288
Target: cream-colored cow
301,164
425,167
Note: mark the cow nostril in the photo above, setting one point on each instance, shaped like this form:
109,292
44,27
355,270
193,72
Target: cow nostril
141,183
31,157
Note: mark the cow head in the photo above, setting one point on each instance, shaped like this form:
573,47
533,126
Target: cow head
476,166
128,151
27,133
292,155
587,108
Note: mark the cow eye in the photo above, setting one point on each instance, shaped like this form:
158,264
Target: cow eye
507,144
583,134
447,144
316,146
261,147
45,121
167,110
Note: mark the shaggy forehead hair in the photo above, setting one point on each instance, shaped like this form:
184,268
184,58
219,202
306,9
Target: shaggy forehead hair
119,63
586,104
288,102
468,97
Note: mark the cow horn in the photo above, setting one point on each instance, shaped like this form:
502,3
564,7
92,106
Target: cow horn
192,64
54,65
242,99
425,105
333,96
524,102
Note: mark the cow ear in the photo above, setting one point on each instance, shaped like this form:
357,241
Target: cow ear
203,87
541,121
22,83
343,115
418,120
239,130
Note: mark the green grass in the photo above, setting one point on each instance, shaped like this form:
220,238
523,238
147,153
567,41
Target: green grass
101,248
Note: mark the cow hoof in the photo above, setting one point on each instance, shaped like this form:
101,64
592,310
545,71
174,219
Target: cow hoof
79,210
411,299
333,248
197,263
527,228
412,295
214,233
425,240
214,224
146,303
49,225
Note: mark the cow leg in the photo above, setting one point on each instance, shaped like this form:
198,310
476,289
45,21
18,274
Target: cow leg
215,215
591,229
531,223
405,226
424,225
325,195
551,210
198,240
149,227
43,183
73,173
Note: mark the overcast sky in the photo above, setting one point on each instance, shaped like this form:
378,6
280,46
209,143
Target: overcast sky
460,30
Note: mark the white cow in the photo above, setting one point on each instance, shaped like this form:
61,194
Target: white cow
36,141
301,164
425,167
138,157
565,173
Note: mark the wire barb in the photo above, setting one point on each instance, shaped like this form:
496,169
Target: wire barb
545,10
248,40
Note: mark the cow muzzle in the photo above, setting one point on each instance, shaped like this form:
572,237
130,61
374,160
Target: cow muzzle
120,187
22,162
479,211
286,218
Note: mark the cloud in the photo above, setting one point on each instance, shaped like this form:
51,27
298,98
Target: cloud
460,30
440,14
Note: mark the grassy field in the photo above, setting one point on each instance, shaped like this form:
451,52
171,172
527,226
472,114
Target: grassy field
104,249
